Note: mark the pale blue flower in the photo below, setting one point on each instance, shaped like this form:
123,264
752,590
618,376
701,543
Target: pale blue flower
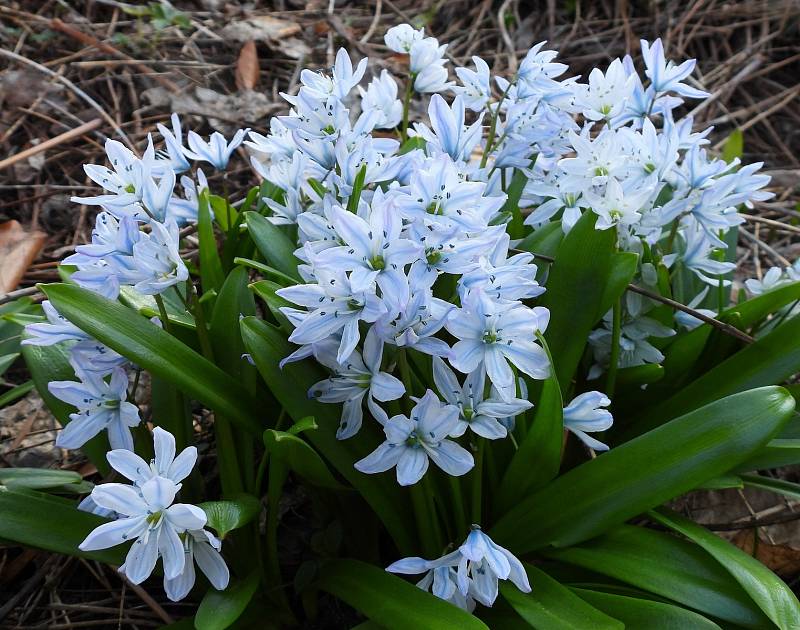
476,412
359,377
665,75
157,259
342,79
217,151
605,95
173,139
381,96
450,134
440,577
492,334
411,442
773,279
483,563
165,464
151,520
586,414
202,547
401,38
414,323
475,89
100,406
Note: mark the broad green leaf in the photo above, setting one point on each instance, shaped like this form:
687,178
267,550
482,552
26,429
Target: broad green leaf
545,240
643,614
769,361
553,606
538,457
220,609
767,590
666,566
281,278
389,600
778,452
576,292
51,363
723,482
511,206
276,248
227,515
268,346
46,522
734,146
13,316
211,274
358,186
298,456
309,423
146,305
623,267
265,289
37,478
646,471
155,350
7,360
640,375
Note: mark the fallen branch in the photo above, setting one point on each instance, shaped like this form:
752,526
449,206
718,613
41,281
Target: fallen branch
52,142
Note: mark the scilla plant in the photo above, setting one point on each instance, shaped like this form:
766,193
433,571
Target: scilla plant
478,350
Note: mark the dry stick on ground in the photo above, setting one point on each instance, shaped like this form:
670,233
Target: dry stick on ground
74,88
726,328
52,142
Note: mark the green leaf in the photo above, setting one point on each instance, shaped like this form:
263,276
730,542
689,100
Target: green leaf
155,350
309,423
37,478
734,146
646,471
511,206
276,248
6,361
553,606
51,363
545,240
776,453
46,522
389,600
281,278
666,566
211,274
358,186
643,614
297,455
780,486
146,305
265,289
768,591
227,515
575,292
769,361
220,609
538,457
15,393
268,346
621,272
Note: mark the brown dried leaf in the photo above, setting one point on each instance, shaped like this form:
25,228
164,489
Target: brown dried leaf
247,67
276,33
785,561
18,249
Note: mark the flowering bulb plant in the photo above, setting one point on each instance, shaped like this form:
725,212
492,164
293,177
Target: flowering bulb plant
478,328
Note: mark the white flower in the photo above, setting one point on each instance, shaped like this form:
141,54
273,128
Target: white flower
617,206
157,259
414,323
343,77
174,141
605,95
217,151
165,464
411,442
203,547
358,377
481,415
101,406
585,414
450,135
401,38
665,75
476,90
381,96
149,517
495,334
771,280
470,573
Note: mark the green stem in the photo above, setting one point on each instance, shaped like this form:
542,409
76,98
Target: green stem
460,516
162,311
425,520
406,107
493,127
616,331
405,372
672,233
477,482
200,324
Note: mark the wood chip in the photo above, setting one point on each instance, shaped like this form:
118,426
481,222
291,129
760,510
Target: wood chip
247,67
18,249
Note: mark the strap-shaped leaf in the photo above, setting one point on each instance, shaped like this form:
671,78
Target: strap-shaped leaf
645,472
268,346
211,274
576,291
553,606
666,566
766,589
389,600
644,613
155,350
46,522
298,456
220,609
276,248
37,478
769,361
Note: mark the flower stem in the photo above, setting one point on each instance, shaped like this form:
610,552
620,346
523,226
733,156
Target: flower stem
477,482
406,107
162,312
616,331
405,372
